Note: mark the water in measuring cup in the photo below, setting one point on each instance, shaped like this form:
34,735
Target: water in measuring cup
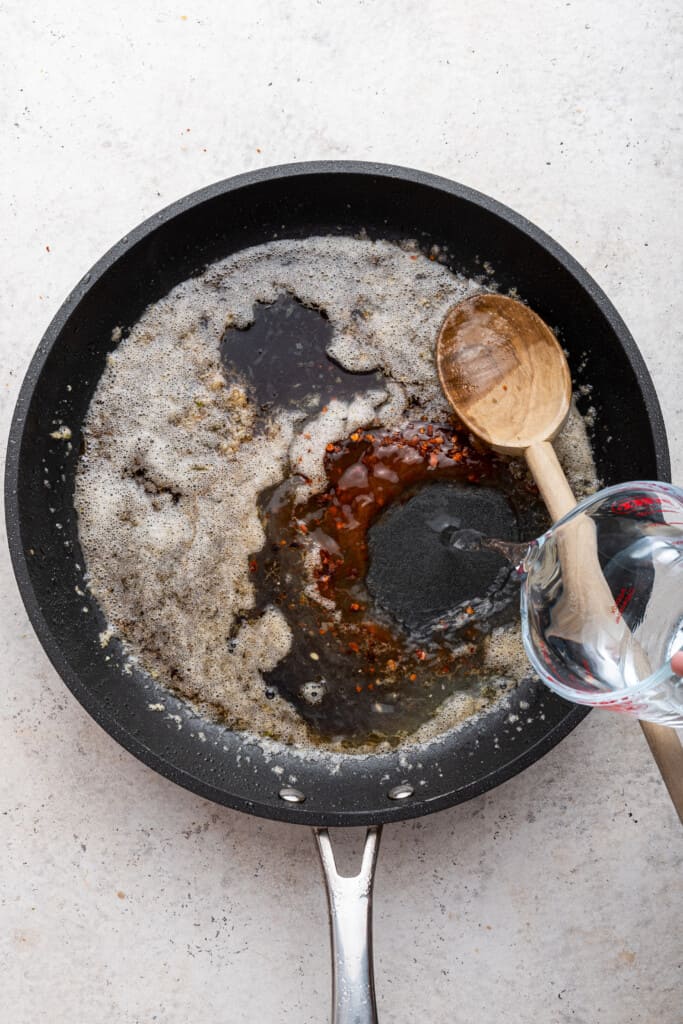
602,602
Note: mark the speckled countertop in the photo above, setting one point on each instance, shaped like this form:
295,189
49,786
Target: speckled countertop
557,897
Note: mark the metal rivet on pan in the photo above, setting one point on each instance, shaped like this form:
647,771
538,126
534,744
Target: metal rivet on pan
401,792
292,796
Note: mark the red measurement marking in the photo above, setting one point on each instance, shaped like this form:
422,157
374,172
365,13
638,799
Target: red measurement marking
644,508
622,507
623,600
546,654
619,705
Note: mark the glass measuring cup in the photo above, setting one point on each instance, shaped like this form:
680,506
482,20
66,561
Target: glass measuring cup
602,602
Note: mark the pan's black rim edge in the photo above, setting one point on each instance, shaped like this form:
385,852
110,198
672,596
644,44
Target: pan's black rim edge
299,814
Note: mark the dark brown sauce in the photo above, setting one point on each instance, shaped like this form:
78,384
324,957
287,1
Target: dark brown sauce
355,670
282,357
390,620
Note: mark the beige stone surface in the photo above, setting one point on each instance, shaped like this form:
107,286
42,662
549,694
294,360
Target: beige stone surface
557,897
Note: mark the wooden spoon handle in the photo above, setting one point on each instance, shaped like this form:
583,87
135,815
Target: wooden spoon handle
550,479
668,753
590,596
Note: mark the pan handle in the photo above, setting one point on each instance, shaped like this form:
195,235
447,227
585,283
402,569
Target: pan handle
350,904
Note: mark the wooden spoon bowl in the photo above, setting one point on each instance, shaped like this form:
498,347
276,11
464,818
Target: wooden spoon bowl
503,369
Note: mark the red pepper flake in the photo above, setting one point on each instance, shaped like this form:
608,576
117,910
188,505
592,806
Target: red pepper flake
456,456
307,436
391,665
413,676
420,655
433,460
353,646
359,689
253,566
469,609
355,436
324,408
355,607
302,527
413,257
472,477
371,686
330,448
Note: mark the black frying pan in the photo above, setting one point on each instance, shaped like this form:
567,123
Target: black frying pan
296,201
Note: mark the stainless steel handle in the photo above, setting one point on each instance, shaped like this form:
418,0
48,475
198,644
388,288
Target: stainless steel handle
350,905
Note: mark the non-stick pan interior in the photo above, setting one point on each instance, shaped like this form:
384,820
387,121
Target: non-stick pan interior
298,201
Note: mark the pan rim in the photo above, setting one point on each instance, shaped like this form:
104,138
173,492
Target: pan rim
294,813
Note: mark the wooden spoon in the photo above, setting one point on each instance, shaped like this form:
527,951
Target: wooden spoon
504,373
